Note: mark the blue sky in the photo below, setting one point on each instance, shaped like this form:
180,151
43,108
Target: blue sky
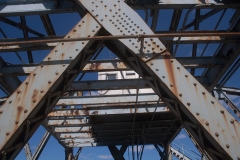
62,24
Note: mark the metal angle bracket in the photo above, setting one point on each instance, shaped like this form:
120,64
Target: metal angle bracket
174,80
30,98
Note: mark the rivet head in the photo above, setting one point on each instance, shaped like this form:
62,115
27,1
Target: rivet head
76,49
212,102
25,110
49,58
49,82
157,69
171,85
70,57
207,123
56,73
42,91
216,134
195,84
16,122
34,74
203,92
227,145
197,113
1,111
180,94
222,111
10,101
26,82
232,121
188,104
186,75
178,67
7,133
34,100
18,91
56,50
163,76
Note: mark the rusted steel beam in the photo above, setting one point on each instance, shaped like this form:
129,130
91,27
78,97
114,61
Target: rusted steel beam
107,99
112,65
89,112
165,40
88,129
171,81
184,34
18,112
67,136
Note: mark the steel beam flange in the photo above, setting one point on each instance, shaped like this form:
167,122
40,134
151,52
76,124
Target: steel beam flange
25,103
173,79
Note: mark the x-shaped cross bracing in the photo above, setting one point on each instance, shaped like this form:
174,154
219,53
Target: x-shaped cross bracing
215,130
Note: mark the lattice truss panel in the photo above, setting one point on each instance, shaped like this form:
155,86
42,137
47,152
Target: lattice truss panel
51,96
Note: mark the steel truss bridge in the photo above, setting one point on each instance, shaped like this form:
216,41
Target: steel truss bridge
51,95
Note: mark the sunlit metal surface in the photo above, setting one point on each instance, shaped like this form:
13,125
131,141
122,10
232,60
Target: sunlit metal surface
103,112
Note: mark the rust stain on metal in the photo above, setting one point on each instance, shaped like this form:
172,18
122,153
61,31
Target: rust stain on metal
76,112
35,94
86,112
19,110
95,113
95,66
170,71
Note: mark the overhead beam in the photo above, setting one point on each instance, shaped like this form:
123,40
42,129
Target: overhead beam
107,99
114,65
166,41
134,35
48,7
89,112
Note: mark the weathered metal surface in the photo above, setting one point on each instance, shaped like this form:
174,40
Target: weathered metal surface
114,65
119,36
86,112
88,129
108,99
194,100
22,106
